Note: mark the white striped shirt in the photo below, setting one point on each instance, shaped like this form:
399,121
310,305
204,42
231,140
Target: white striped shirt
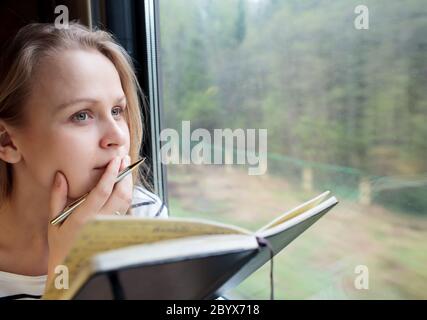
17,286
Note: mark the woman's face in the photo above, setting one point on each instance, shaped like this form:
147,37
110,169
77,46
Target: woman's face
76,120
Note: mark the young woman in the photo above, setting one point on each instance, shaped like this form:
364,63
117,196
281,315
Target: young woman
69,122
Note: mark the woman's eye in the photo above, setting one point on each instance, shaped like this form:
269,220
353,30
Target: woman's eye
117,111
80,116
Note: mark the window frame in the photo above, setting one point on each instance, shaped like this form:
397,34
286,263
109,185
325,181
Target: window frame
135,25
152,28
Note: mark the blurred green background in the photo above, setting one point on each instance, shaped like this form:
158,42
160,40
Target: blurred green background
345,110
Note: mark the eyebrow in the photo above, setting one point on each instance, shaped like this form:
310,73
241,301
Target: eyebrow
70,103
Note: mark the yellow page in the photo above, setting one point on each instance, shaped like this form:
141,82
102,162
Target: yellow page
296,211
110,232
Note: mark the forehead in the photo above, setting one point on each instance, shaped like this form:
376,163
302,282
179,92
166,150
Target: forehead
74,73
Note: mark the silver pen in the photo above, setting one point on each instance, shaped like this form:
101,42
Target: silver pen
73,205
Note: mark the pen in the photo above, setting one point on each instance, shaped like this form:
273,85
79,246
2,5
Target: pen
69,209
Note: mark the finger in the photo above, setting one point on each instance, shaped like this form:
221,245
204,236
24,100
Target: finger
125,162
102,191
58,195
121,197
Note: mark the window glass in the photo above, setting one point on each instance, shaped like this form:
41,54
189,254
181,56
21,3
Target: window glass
341,89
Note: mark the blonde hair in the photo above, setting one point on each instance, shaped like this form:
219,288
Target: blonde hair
19,63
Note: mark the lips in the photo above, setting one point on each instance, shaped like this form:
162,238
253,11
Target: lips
103,166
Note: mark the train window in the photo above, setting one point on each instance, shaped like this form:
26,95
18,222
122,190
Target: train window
340,89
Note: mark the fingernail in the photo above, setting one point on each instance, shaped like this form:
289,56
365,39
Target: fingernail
57,180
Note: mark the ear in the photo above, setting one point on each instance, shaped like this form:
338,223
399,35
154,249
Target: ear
8,151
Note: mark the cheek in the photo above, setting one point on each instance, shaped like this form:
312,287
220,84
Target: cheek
127,134
73,148
40,156
125,129
74,156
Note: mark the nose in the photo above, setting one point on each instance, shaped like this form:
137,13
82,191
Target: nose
114,134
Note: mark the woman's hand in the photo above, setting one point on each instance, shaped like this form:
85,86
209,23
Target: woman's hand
105,198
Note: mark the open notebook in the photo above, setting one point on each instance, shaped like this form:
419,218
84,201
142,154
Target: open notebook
176,258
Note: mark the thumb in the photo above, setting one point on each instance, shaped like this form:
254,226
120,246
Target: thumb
58,196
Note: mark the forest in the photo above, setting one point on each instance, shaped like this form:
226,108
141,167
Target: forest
330,95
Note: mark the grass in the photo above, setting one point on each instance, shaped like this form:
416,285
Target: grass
319,264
